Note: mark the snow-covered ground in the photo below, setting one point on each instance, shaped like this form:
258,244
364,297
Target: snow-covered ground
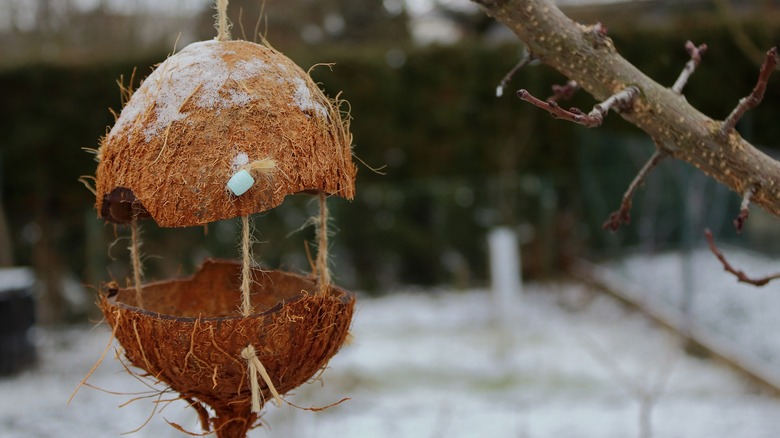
741,319
569,363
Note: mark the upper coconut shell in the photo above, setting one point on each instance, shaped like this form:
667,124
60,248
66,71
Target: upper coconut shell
205,113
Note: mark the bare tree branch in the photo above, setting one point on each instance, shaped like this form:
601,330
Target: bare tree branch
690,67
755,97
623,215
595,117
587,55
573,115
741,276
528,57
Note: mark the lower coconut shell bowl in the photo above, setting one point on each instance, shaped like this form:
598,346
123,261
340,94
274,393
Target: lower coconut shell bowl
190,334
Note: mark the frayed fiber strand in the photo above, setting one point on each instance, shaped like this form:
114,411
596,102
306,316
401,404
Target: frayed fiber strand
135,255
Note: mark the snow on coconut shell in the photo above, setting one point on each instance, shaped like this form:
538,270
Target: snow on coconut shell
204,114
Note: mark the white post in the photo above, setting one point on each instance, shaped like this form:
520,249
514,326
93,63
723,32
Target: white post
505,274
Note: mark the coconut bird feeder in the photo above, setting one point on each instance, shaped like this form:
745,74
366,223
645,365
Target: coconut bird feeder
225,129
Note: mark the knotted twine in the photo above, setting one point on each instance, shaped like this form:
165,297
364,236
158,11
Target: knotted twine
265,167
255,366
249,353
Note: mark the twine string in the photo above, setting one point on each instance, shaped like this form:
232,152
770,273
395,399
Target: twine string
246,268
323,272
135,256
255,366
222,24
248,353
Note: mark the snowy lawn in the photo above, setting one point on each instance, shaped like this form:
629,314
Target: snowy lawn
741,319
570,363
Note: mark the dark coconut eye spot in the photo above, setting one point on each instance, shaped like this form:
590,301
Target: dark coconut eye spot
121,206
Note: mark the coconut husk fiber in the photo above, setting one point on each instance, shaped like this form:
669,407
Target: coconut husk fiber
190,335
208,111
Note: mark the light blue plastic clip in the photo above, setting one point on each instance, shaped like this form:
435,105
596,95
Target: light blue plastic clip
240,182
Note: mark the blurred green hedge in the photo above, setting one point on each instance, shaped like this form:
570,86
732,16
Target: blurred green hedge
454,160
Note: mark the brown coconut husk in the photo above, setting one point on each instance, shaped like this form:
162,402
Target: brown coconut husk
206,112
190,335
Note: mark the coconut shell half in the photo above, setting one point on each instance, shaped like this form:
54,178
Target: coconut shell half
207,112
190,335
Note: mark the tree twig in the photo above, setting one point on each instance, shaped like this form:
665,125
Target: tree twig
564,92
695,53
623,215
528,57
744,209
599,31
595,117
586,55
741,276
755,97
